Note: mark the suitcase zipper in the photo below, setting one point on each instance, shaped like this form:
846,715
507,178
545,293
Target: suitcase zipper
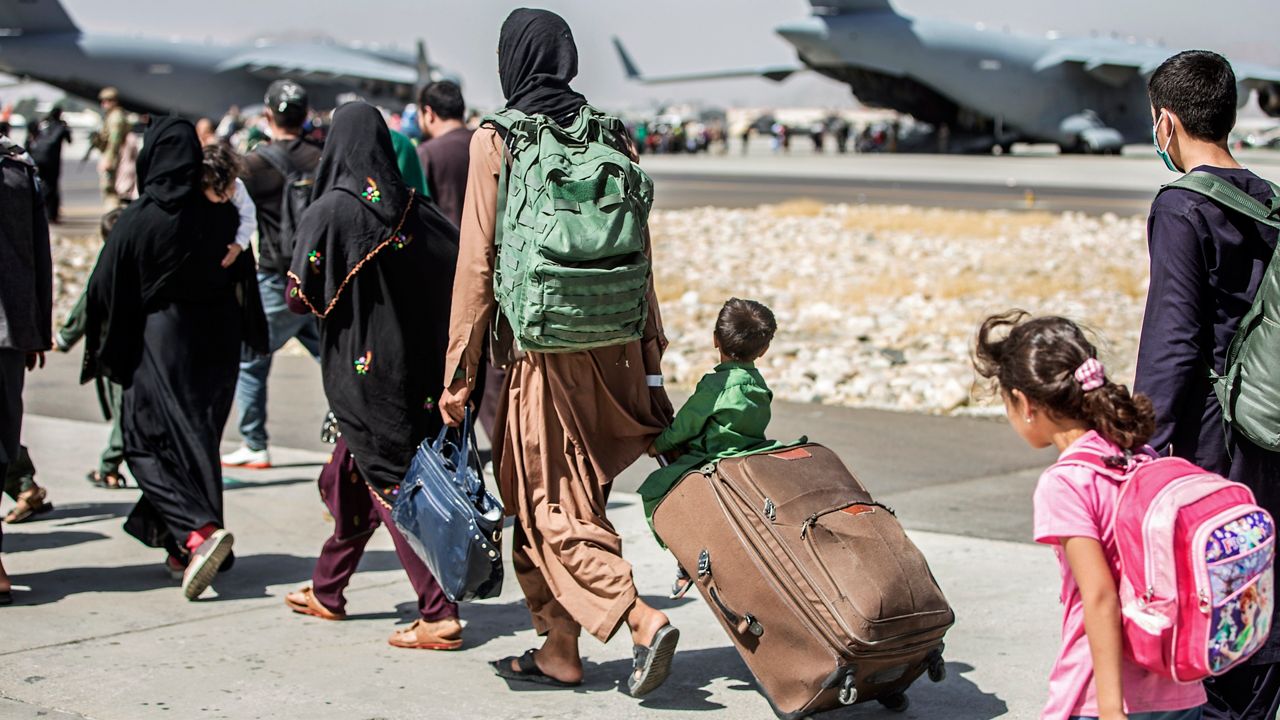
813,519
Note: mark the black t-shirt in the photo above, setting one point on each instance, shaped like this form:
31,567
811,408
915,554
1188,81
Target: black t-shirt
266,186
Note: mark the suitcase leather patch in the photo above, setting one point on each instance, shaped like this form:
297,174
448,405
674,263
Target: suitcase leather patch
858,509
793,454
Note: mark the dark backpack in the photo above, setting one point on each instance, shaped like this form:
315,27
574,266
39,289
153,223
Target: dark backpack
1249,386
295,195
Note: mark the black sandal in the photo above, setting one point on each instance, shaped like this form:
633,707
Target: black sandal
682,583
651,664
528,671
6,597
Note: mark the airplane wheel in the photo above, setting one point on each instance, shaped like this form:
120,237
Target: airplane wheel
896,703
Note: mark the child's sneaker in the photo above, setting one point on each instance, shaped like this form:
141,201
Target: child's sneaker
205,562
246,457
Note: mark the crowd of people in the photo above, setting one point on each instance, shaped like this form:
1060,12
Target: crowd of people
379,257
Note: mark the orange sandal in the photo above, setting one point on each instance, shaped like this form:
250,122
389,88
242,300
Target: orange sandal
304,602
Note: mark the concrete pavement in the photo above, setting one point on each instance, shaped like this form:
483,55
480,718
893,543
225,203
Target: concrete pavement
102,632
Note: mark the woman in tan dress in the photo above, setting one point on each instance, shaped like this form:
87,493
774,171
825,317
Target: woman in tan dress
569,422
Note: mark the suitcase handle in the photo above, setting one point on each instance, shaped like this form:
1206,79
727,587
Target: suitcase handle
745,623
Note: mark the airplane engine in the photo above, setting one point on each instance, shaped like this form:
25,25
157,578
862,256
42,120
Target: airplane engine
1269,99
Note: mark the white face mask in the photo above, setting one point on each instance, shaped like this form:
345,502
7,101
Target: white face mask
1163,152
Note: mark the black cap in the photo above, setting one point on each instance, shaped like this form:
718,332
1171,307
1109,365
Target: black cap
285,94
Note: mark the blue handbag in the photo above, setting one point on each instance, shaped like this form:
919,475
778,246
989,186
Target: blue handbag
449,518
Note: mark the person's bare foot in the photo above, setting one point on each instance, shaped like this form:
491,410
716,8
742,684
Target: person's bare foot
5,584
558,658
645,621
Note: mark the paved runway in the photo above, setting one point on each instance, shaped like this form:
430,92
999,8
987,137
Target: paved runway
1094,185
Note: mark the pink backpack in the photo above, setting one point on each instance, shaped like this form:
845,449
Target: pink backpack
1196,565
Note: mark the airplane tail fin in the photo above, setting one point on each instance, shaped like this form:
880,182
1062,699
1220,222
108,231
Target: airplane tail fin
841,7
423,64
34,17
628,65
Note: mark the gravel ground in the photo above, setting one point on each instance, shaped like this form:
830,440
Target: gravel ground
876,306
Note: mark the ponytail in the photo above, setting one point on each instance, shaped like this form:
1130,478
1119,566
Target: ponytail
1050,361
1126,420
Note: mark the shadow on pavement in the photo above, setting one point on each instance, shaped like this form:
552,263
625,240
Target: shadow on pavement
694,670
231,483
483,621
252,574
54,585
68,514
16,542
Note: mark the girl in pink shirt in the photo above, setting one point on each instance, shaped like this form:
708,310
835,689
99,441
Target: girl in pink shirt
1056,393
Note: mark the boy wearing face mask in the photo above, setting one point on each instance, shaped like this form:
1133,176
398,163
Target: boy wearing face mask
1207,263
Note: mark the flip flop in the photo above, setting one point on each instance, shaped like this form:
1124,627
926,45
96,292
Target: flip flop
681,586
528,671
651,664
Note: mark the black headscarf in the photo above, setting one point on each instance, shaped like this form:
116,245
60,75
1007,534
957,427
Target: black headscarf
335,236
166,243
378,271
536,60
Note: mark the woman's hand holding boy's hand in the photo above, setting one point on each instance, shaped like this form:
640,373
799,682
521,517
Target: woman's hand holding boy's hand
653,448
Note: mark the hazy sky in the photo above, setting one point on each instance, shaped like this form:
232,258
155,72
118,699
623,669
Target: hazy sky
670,35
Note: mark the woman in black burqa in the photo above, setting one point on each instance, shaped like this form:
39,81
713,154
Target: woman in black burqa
375,262
166,321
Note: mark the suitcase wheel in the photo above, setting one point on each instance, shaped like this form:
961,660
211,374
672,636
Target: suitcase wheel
937,670
896,703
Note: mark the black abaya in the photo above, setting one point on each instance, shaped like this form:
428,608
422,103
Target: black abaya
166,321
172,418
375,263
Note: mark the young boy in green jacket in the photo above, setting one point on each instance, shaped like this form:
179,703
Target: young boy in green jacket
728,412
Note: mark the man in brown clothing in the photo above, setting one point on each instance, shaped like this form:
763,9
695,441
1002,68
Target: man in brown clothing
570,422
445,154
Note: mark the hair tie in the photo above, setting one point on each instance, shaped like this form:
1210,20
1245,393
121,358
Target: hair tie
1091,375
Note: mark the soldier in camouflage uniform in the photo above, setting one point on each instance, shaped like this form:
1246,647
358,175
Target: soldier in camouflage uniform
108,141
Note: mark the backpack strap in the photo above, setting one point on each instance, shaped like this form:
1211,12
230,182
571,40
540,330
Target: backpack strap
1116,467
1231,197
279,160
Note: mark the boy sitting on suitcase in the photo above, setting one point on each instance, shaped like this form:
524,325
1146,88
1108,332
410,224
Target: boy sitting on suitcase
728,411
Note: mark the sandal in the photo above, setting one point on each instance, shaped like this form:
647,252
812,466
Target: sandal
109,481
528,671
651,664
6,597
30,504
681,586
304,602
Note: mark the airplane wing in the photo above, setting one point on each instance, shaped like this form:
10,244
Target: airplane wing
1255,75
319,61
1115,69
777,73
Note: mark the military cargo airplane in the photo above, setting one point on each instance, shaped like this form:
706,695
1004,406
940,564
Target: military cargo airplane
986,88
39,40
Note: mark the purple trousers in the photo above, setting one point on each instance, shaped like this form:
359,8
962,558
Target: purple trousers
357,513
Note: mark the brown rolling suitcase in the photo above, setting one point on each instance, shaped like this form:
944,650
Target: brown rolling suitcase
823,594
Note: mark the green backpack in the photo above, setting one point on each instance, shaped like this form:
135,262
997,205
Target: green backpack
1249,388
571,272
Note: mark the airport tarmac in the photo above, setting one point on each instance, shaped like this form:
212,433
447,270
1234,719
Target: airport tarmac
1054,183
